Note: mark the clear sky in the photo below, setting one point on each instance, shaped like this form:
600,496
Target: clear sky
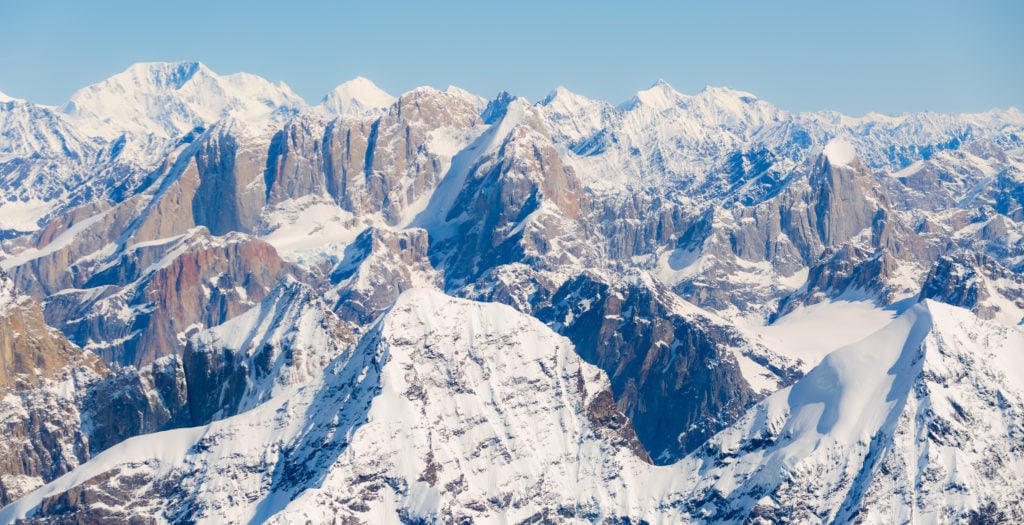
854,56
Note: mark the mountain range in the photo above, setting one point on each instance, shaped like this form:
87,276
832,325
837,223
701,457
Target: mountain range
220,303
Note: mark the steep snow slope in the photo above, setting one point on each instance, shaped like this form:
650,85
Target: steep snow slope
810,333
921,422
447,409
275,347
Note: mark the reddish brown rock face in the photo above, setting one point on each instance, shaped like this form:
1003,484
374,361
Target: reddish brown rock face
208,284
31,352
60,405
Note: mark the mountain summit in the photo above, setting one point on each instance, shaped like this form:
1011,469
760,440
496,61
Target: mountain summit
358,96
168,99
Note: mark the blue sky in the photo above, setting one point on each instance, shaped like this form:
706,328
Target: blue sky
889,56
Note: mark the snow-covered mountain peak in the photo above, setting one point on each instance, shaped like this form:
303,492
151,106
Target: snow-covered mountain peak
660,96
167,99
167,75
662,84
561,98
727,92
562,103
839,152
246,84
4,97
28,130
451,92
1014,115
1009,116
457,91
559,91
727,98
358,96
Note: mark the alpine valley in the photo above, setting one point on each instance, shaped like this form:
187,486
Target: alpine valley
222,304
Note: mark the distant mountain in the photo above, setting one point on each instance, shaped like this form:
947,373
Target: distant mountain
170,99
358,96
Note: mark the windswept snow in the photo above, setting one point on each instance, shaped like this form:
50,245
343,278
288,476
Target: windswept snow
23,215
660,96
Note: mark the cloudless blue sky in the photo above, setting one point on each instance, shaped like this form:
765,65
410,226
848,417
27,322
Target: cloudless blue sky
890,56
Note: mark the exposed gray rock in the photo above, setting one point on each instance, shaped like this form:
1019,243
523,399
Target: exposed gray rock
978,283
673,373
378,266
61,406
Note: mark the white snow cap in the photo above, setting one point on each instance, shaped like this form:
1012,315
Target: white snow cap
659,96
4,97
839,152
168,99
357,96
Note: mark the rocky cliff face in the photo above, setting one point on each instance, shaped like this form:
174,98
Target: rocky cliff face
198,281
978,283
660,357
377,267
60,405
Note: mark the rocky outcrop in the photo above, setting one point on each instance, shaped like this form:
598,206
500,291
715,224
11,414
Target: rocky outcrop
199,281
295,162
517,202
42,376
282,343
373,165
232,189
660,358
637,224
977,283
31,352
837,222
377,267
61,406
